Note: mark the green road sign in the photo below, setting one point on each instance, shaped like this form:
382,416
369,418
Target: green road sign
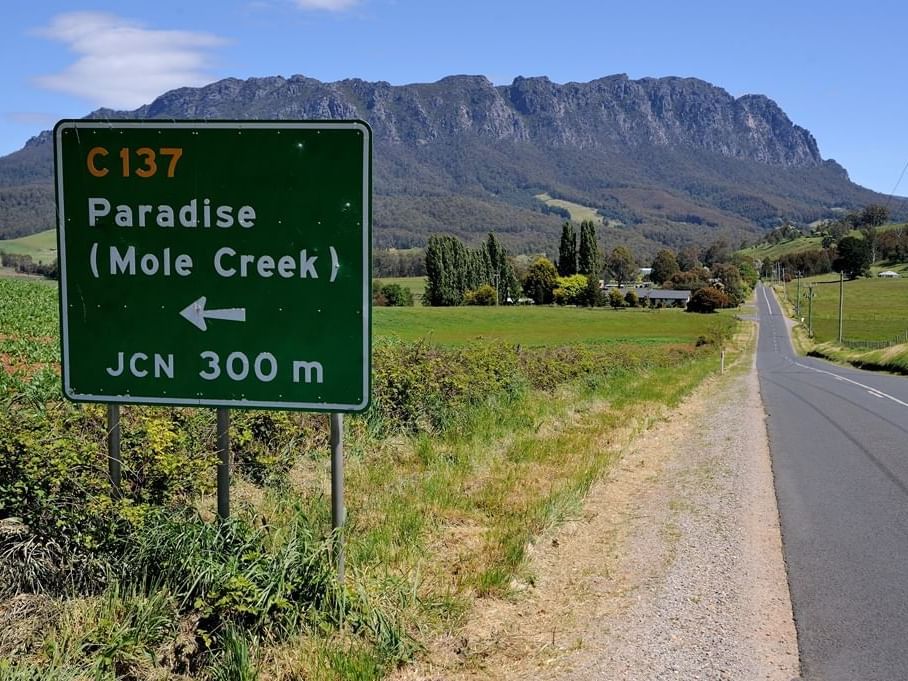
215,263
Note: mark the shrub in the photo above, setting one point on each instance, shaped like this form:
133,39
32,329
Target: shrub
616,298
540,282
707,300
391,295
571,290
631,299
484,295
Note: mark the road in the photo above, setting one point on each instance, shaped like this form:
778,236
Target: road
839,443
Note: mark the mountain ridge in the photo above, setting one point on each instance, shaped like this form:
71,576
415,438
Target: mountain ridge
668,160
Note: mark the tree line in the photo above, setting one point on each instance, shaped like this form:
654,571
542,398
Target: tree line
488,275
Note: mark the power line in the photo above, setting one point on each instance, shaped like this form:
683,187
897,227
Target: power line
897,183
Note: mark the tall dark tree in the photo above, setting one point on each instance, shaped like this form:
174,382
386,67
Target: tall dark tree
501,270
874,215
853,257
588,261
621,265
567,251
717,252
732,283
665,264
689,258
447,265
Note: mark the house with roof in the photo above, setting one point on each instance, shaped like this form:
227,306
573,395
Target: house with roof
660,297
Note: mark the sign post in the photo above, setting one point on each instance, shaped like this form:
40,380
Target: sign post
215,264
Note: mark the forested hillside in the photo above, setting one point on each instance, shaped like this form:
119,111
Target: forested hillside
667,161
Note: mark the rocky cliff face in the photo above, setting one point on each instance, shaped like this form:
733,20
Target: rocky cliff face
664,161
609,113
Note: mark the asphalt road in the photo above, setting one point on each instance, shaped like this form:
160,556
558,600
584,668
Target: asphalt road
839,442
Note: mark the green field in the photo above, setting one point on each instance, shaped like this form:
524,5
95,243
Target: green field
766,251
776,251
42,247
541,326
578,212
415,284
875,309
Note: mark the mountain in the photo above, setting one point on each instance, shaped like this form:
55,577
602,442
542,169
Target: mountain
661,161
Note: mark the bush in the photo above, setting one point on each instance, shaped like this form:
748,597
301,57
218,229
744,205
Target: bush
631,299
391,295
616,298
708,300
484,295
571,290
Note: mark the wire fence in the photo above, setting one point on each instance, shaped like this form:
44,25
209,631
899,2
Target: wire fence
875,344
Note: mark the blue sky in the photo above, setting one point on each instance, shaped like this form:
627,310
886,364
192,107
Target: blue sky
836,68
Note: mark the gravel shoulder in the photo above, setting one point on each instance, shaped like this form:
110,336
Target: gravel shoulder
674,571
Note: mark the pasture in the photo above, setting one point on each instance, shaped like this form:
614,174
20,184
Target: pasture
533,326
875,309
416,285
577,211
42,247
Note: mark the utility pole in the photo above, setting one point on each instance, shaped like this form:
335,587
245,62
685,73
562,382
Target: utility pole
841,305
810,311
798,303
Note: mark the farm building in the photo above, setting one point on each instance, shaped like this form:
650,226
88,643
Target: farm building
889,274
657,297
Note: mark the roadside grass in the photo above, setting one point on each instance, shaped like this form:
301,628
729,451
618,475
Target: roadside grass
893,359
444,504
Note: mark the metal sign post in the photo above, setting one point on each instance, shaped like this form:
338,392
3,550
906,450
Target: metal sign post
224,463
338,511
216,264
114,461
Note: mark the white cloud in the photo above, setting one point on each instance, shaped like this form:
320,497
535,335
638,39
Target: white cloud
330,5
122,64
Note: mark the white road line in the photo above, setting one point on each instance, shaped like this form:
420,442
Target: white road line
878,393
766,298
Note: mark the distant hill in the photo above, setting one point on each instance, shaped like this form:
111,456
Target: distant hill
661,161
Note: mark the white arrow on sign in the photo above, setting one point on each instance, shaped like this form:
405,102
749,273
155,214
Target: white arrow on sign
196,314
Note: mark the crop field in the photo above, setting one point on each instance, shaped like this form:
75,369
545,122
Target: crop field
875,309
472,449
